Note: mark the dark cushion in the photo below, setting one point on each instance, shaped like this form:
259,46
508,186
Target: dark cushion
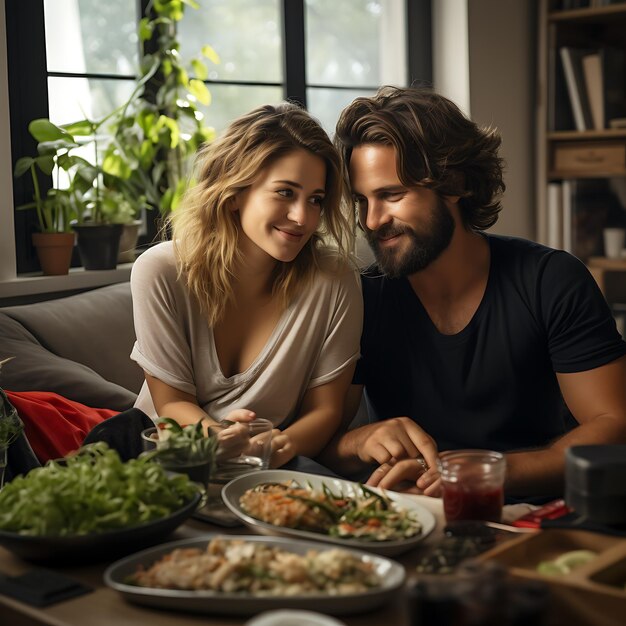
77,347
36,369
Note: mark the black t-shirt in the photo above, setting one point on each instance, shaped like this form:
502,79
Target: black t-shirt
493,384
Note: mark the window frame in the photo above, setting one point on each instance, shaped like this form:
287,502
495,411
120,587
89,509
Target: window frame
28,87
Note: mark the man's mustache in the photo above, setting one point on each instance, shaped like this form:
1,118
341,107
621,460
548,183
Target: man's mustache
386,231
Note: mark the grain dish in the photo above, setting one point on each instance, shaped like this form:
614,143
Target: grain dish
389,577
409,506
366,514
238,566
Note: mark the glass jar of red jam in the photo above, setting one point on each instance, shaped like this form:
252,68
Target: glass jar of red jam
473,484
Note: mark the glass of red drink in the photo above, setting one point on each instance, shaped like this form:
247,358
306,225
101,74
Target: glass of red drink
473,484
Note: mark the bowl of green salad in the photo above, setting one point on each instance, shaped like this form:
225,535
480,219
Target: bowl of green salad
92,506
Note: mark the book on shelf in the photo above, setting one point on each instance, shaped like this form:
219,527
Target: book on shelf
594,80
571,58
555,216
568,189
605,77
559,109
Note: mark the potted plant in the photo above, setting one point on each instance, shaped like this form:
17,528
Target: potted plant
97,225
55,240
141,149
79,200
160,128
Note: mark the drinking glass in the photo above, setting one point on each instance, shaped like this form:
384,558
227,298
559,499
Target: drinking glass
473,484
149,439
194,461
243,447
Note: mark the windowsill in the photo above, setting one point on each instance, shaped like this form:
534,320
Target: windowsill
78,278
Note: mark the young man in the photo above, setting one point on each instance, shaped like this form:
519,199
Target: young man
470,340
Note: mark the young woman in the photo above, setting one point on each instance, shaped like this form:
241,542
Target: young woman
253,309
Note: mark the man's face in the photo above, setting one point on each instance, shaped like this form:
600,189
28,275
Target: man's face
407,227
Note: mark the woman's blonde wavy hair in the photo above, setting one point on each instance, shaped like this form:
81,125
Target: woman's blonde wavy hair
205,230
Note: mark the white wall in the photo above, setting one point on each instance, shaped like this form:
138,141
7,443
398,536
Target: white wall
502,52
485,62
451,76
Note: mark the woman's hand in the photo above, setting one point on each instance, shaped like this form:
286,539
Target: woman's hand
233,436
409,476
282,449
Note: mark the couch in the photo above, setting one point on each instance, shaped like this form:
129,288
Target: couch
77,346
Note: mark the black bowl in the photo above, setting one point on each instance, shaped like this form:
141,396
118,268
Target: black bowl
96,546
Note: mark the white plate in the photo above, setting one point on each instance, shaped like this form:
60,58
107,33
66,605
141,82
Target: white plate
391,574
236,488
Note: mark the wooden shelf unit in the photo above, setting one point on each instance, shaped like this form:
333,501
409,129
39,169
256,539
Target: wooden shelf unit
564,153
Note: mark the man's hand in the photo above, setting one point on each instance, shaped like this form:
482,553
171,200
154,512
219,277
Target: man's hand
397,438
409,476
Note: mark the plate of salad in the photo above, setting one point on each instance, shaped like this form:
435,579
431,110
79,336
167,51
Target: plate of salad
320,508
91,505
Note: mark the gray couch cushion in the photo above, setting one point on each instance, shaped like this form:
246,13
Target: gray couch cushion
77,346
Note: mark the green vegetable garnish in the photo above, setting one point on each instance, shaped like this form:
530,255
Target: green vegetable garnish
184,445
10,424
92,491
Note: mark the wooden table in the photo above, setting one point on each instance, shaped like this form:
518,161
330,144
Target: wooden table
105,607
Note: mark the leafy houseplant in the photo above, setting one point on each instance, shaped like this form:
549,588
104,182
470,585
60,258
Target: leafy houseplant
160,127
84,199
55,240
142,148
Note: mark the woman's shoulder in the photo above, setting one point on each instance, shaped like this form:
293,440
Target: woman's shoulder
331,263
335,271
158,260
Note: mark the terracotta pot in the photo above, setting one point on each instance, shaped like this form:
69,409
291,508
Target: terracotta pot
54,251
128,242
98,245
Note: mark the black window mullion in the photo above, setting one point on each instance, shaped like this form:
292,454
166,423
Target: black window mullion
28,100
294,63
419,42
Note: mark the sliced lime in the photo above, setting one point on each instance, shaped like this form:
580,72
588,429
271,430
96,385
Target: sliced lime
549,568
575,558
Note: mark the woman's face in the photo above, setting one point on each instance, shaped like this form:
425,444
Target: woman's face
280,212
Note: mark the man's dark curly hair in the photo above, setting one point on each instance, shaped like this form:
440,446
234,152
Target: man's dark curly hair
436,146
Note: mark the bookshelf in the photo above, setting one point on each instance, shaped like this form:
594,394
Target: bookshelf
581,132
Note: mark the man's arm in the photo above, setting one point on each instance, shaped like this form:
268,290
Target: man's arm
597,399
350,451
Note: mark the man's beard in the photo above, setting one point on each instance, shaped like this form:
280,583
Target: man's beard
424,247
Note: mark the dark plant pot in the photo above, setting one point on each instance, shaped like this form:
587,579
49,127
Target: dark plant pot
128,242
98,245
54,251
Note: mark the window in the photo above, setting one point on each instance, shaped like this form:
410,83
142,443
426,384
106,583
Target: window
68,58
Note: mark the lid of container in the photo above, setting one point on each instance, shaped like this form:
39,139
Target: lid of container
598,470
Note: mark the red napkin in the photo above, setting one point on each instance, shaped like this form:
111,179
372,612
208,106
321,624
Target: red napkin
54,425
